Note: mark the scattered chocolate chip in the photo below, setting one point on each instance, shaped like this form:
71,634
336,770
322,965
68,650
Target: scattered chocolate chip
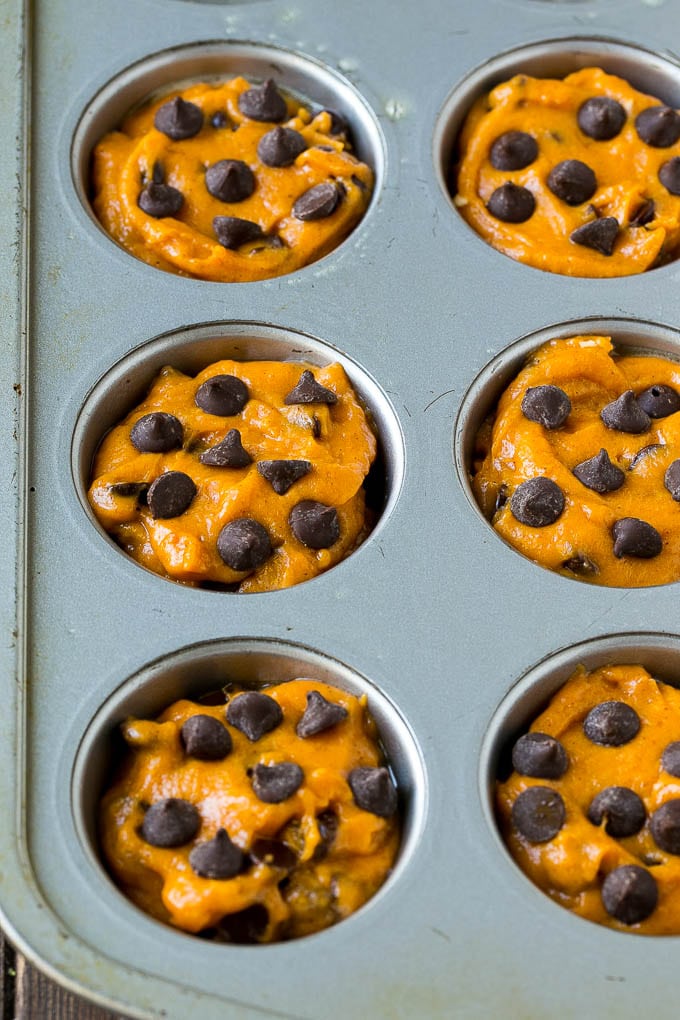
511,203
223,395
228,452
315,524
206,738
599,474
672,480
217,858
232,231
538,814
572,181
317,203
230,180
669,175
644,453
170,495
309,391
178,119
128,489
274,853
263,102
629,894
601,118
633,537
580,564
339,125
327,822
170,822
658,126
600,235
373,791
664,826
219,119
513,151
670,759
319,715
659,400
611,724
644,215
244,927
548,405
537,502
254,714
281,474
157,432
160,200
275,783
244,544
280,147
540,756
625,415
623,810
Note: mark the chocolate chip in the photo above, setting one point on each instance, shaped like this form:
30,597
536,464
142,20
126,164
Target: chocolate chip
178,119
601,118
309,391
572,181
280,147
281,474
659,400
223,395
327,822
629,894
339,125
319,715
228,452
625,415
672,480
611,723
160,200
669,175
315,524
244,544
664,826
644,215
243,927
317,203
538,814
537,502
263,102
633,537
644,453
170,495
230,180
580,564
548,405
170,822
217,858
600,235
623,810
273,853
254,714
157,432
232,231
275,783
206,738
219,119
658,126
670,759
513,151
599,474
373,791
129,489
540,756
511,203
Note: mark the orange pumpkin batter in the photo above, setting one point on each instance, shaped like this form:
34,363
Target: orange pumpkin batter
329,440
642,214
512,448
308,860
127,161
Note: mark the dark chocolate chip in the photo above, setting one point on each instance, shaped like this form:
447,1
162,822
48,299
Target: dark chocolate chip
327,822
230,180
373,791
128,489
572,181
538,814
244,927
170,822
537,502
625,415
280,147
315,524
601,118
206,738
157,432
339,125
659,400
644,453
170,495
223,395
244,544
217,858
664,826
273,853
254,714
548,405
599,474
672,480
281,474
317,203
669,175
309,391
219,119
581,565
611,724
540,756
670,759
623,810
511,203
658,126
600,235
630,894
513,151
263,102
228,452
178,119
319,715
644,215
160,200
275,783
633,537
232,231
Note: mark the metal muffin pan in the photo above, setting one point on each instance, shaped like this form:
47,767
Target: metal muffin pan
436,616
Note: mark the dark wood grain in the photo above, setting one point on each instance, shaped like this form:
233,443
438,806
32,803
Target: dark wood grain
38,998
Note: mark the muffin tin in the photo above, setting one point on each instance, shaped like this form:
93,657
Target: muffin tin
455,637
